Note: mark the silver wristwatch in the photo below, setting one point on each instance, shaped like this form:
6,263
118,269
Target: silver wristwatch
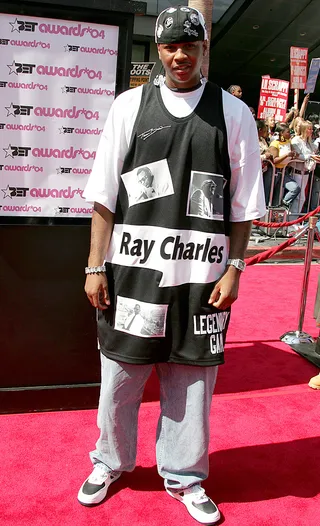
238,263
95,270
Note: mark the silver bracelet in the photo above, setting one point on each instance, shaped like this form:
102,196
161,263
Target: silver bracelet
95,270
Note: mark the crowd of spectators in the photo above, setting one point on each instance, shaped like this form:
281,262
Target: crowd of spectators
290,158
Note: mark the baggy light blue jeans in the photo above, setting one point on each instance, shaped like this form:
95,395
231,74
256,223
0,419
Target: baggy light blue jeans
182,438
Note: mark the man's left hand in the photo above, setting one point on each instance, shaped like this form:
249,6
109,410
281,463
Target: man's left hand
226,289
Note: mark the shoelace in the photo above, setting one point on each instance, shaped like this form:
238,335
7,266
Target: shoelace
199,496
98,477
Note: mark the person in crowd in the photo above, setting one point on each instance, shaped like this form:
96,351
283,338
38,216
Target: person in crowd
253,111
283,154
295,125
305,149
195,281
271,125
291,115
267,168
235,90
304,105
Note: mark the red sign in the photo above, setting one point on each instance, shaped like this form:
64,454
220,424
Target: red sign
298,67
273,99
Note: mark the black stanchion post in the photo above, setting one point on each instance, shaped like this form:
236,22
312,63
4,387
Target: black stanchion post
298,336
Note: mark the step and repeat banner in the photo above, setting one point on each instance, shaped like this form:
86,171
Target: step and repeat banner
57,83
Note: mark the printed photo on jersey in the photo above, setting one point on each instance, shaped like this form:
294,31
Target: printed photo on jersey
147,320
148,182
205,197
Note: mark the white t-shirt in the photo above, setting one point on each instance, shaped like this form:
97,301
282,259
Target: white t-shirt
246,187
305,150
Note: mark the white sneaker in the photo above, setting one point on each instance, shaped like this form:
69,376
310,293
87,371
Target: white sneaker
197,503
95,488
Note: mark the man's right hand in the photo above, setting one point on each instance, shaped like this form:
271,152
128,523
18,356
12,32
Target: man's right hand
96,288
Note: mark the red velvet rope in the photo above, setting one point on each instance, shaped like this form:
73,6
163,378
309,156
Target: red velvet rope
258,258
288,223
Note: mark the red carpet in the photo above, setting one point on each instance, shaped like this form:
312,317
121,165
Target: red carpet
265,447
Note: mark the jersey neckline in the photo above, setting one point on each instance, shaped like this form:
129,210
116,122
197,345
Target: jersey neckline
187,95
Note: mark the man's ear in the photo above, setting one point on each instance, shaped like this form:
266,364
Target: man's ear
205,47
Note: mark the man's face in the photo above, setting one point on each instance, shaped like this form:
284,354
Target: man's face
182,63
237,92
137,309
144,178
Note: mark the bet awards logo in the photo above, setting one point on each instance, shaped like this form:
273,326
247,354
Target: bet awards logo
14,191
61,210
71,48
19,67
17,109
23,25
69,89
75,72
63,170
16,151
64,129
2,125
4,41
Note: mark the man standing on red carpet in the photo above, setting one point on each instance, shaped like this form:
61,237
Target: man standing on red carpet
181,266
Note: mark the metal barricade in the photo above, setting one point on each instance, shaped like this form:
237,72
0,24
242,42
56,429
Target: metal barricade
275,213
305,176
272,166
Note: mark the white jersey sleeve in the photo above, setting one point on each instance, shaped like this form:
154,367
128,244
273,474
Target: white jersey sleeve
103,183
246,186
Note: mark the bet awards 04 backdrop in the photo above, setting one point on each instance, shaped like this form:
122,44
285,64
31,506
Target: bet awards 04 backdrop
57,82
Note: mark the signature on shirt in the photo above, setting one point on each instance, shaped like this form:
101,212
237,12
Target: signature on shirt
148,133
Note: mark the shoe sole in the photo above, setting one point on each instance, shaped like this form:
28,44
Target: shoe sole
314,386
190,511
100,495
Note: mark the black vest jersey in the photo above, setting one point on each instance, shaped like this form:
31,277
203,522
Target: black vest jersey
170,238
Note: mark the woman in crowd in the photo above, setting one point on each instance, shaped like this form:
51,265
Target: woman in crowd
295,125
266,156
305,150
282,155
271,125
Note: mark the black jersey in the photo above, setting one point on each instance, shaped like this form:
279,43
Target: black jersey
170,238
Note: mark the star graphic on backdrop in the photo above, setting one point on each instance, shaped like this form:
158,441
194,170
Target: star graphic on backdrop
64,89
10,109
66,48
59,170
13,68
15,26
61,130
6,192
56,210
8,151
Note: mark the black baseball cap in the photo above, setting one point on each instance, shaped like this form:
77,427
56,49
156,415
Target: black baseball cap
180,24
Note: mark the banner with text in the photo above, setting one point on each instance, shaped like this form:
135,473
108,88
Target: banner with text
140,73
273,99
298,67
57,82
313,75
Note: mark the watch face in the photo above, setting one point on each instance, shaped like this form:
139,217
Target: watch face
238,263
